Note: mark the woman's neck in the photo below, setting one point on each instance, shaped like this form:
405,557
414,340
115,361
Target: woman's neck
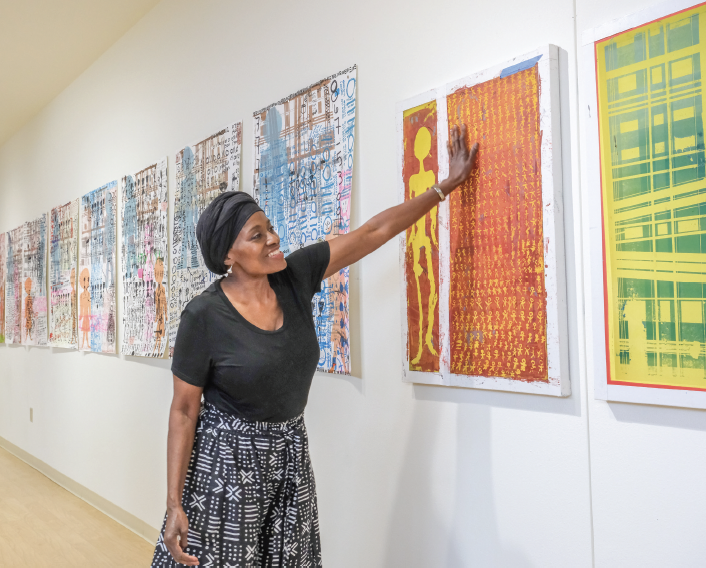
247,287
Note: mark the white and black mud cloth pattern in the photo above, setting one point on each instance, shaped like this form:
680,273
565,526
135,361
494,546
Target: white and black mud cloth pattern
249,495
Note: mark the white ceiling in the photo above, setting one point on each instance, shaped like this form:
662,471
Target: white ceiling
46,44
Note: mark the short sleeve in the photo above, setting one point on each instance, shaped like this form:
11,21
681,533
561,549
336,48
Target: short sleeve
192,361
308,266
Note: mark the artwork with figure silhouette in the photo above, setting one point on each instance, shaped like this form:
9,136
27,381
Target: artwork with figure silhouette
143,216
483,273
3,273
303,164
96,266
419,170
35,323
63,264
203,171
13,285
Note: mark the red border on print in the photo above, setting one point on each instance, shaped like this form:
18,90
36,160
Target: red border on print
603,238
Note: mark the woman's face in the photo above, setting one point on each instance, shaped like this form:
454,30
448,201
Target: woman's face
256,250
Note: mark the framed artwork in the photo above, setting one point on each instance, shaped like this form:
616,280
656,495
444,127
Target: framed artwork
303,164
645,182
484,288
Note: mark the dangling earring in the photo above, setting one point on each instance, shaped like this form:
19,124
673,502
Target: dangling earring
230,269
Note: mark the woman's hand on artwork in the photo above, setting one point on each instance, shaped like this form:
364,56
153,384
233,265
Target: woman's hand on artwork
175,536
461,159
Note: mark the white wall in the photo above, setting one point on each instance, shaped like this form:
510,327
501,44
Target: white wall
647,462
409,476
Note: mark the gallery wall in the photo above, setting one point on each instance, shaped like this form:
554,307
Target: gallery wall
647,497
408,475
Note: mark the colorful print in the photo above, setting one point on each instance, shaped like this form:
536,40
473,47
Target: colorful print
303,162
653,174
13,289
63,277
497,317
144,253
96,276
204,170
420,168
3,271
35,323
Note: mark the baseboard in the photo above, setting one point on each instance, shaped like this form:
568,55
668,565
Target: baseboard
128,520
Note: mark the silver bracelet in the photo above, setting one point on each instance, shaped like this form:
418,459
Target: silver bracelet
436,188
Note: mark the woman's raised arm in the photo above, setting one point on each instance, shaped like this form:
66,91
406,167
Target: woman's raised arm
350,248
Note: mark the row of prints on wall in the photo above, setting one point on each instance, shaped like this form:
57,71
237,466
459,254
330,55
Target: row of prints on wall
59,272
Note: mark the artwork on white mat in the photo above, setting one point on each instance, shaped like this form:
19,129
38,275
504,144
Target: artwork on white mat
645,194
35,324
3,268
144,253
63,275
483,283
13,286
303,164
96,270
204,170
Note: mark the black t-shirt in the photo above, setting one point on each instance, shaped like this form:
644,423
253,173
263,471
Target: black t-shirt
250,372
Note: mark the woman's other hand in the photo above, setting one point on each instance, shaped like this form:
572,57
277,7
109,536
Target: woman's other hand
175,537
461,160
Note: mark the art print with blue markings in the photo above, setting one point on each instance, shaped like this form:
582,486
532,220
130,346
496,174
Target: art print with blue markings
63,276
34,282
204,170
144,253
303,164
96,270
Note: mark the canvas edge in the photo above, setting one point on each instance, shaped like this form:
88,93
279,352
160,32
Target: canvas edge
407,375
553,221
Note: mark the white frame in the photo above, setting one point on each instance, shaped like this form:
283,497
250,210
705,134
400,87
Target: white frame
592,222
553,225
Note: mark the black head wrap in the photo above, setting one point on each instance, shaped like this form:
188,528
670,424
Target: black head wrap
219,225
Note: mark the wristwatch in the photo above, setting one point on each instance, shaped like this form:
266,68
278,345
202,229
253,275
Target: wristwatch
437,188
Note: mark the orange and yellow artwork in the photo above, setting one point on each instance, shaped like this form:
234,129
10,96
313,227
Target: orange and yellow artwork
420,168
498,299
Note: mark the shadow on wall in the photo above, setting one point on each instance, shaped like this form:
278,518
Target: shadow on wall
420,534
425,529
682,418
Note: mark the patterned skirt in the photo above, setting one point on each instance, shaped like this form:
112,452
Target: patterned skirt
249,496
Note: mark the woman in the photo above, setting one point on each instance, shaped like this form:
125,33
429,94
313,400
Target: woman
240,484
